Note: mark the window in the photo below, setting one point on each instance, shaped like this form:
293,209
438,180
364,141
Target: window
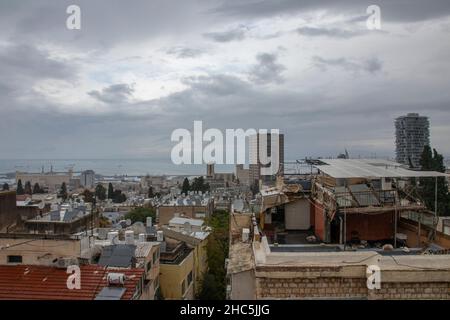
189,278
14,259
149,266
155,256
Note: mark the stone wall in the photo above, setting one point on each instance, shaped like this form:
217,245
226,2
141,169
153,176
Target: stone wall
304,288
347,283
411,290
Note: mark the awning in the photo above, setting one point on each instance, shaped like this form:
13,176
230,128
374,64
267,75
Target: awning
370,168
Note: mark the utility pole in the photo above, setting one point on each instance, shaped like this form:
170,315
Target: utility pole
435,197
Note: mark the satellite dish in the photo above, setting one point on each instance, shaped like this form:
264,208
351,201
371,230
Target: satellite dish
128,222
41,205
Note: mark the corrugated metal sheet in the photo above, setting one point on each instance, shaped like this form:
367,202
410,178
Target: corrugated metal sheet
357,168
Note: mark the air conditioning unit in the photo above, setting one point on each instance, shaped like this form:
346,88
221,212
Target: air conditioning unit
66,262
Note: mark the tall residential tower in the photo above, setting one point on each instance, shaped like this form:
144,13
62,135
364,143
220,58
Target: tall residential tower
411,135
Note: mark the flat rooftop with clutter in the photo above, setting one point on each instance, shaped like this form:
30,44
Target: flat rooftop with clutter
346,215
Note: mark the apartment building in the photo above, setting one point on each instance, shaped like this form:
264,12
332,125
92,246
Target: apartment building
411,135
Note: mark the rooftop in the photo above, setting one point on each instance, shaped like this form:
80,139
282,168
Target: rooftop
194,222
63,214
49,283
370,168
120,255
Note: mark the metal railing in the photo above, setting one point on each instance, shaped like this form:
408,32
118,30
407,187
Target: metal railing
367,198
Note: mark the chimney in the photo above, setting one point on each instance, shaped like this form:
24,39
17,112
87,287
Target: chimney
113,237
160,236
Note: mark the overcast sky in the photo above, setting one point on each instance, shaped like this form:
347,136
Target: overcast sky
137,70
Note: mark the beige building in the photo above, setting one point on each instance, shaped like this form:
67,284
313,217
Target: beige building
194,210
51,180
198,241
242,175
147,256
33,249
256,163
177,271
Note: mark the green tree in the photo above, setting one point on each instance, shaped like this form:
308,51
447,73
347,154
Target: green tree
199,185
217,251
27,188
140,214
100,192
88,196
5,187
433,161
150,192
255,187
118,196
37,188
186,187
63,191
19,189
110,191
210,289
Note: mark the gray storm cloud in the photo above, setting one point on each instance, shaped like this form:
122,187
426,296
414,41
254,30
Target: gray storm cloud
135,72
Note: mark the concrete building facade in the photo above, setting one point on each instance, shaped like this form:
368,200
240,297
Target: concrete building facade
254,155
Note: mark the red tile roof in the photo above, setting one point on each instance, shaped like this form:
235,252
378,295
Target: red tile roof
22,197
26,282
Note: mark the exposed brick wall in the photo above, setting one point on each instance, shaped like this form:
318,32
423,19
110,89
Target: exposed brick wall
408,290
339,283
304,288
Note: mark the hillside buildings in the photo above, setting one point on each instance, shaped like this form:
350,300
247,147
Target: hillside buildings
194,206
51,181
